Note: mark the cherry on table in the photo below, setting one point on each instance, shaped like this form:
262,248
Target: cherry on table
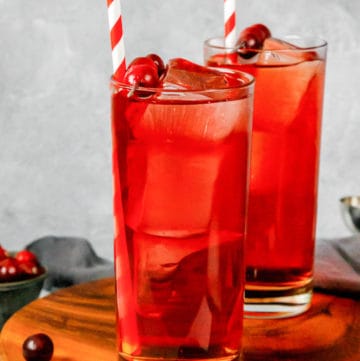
38,347
252,38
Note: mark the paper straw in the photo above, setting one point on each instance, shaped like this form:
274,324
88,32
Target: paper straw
230,23
116,38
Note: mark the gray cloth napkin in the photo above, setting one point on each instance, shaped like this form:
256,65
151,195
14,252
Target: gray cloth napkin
69,260
337,265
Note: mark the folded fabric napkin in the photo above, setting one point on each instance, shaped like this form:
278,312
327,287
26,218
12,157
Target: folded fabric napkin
69,260
72,260
337,265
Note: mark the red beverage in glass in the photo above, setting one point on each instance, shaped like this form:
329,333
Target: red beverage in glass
284,173
180,166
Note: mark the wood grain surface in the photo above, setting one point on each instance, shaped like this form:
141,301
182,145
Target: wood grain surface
81,322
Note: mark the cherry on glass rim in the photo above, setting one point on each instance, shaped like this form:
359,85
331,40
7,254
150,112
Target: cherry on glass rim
142,71
158,62
252,38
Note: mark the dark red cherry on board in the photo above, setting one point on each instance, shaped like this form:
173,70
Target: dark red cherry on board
252,38
38,347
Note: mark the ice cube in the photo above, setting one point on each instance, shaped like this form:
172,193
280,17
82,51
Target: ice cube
198,115
160,256
280,52
213,121
279,93
156,261
173,195
277,44
184,74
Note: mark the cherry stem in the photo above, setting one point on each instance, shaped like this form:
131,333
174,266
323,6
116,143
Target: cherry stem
133,90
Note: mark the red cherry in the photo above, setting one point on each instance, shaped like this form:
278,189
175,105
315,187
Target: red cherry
9,270
30,269
252,38
26,256
142,72
3,253
158,62
38,347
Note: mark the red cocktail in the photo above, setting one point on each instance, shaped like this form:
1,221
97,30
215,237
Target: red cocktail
284,169
180,158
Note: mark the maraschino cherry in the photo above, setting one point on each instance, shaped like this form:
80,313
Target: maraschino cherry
144,71
158,62
38,347
252,38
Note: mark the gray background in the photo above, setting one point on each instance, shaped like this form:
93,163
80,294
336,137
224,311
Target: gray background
55,63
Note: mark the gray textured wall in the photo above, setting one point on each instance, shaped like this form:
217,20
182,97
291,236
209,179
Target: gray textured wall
55,167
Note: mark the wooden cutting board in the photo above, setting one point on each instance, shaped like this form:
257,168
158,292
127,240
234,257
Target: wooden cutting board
81,322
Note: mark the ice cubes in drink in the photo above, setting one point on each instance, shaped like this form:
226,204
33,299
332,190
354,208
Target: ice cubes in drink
278,52
197,115
282,81
211,122
176,152
183,74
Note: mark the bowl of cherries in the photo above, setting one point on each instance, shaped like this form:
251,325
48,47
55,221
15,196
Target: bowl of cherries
21,280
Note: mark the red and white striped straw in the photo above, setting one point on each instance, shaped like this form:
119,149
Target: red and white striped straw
230,23
116,38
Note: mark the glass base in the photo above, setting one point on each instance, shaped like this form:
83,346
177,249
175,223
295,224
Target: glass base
272,302
125,357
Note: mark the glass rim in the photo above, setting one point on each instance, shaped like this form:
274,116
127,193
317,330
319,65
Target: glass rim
318,43
246,80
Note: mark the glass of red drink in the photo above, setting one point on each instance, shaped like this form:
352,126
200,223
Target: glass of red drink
180,171
281,224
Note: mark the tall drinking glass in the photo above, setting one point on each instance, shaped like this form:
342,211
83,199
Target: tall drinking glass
284,169
180,171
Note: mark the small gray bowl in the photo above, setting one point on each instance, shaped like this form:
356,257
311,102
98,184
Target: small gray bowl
350,210
15,295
